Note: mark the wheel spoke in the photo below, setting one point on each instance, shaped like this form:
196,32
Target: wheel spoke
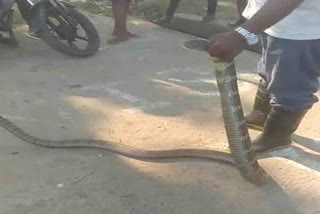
53,27
70,33
60,20
82,38
72,45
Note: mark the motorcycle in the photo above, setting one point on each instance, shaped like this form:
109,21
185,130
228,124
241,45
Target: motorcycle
56,22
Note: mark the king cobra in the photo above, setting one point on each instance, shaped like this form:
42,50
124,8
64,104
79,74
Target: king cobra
238,138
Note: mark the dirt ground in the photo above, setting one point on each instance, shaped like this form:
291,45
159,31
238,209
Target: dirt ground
149,93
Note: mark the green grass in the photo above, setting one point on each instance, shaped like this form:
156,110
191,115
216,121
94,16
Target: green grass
95,7
153,9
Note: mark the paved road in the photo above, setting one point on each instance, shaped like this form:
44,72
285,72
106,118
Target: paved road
150,93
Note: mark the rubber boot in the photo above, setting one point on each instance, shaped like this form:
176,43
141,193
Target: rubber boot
278,128
256,119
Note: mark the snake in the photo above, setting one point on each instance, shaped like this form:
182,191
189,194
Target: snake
241,154
115,147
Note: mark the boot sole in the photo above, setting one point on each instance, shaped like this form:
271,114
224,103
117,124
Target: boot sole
272,150
255,127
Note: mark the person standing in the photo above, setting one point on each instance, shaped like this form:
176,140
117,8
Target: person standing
241,5
173,5
120,10
289,67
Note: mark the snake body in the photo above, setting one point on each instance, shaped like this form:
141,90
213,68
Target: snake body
118,148
238,137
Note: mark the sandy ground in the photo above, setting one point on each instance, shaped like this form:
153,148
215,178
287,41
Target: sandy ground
149,93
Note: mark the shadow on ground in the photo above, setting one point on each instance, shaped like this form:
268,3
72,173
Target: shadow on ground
148,93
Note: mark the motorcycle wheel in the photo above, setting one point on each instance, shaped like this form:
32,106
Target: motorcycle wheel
57,35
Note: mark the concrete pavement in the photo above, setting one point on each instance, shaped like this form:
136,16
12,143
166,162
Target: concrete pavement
150,93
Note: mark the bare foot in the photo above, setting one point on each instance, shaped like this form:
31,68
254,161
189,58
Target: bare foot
121,38
129,34
118,39
132,35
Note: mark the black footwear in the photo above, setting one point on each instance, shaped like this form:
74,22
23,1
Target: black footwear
256,119
8,38
166,19
237,23
34,35
278,128
208,18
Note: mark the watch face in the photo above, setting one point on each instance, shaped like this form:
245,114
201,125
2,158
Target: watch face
253,41
250,38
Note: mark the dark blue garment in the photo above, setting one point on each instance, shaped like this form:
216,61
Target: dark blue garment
291,69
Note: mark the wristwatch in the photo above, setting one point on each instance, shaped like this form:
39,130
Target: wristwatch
250,38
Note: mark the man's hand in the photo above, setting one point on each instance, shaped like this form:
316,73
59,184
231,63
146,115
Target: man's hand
226,46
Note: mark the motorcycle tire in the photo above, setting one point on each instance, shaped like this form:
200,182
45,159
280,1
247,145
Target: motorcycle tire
92,34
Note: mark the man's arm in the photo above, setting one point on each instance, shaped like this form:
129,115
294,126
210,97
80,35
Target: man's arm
227,46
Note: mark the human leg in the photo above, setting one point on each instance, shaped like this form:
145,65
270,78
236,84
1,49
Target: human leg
120,10
291,70
241,5
211,11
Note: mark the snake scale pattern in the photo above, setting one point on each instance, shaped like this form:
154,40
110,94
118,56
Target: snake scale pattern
237,133
118,148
